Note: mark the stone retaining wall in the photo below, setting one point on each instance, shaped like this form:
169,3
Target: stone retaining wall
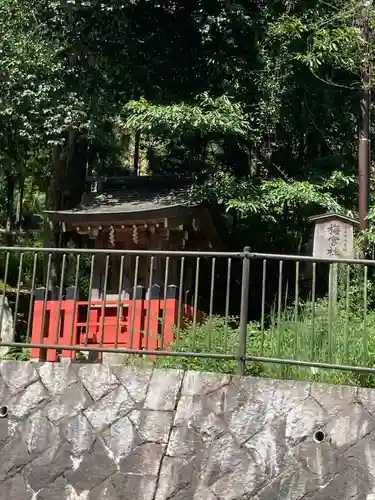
93,432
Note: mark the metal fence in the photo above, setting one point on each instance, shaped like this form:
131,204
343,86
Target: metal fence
246,310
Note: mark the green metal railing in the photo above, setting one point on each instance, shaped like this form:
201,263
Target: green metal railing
257,309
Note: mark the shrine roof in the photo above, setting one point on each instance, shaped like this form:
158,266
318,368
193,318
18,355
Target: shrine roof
332,215
133,197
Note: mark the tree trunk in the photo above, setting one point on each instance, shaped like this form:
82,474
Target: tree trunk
61,158
154,165
10,203
254,163
52,203
204,154
76,167
137,141
21,188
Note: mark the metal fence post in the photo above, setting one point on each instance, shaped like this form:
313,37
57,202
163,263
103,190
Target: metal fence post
245,288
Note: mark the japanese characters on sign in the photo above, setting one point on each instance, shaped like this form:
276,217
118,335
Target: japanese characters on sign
333,238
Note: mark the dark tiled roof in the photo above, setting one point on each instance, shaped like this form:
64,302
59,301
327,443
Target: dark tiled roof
136,194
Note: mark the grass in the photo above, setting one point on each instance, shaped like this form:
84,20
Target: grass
321,334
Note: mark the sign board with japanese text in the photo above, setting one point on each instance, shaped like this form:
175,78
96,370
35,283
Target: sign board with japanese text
333,236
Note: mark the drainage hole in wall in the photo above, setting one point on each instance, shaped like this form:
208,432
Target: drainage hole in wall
319,436
3,411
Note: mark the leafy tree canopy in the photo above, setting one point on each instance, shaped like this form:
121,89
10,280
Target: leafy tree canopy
273,126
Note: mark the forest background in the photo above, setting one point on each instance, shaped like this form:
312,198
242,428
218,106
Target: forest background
260,99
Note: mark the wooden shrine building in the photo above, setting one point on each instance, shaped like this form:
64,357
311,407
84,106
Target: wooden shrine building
131,213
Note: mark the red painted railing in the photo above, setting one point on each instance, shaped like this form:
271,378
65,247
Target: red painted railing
139,325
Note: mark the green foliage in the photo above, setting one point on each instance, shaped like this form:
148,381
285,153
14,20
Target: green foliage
318,333
30,73
33,201
331,34
261,115
274,194
219,335
269,197
220,116
324,334
368,236
18,354
277,210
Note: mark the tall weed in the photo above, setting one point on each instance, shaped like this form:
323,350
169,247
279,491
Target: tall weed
318,333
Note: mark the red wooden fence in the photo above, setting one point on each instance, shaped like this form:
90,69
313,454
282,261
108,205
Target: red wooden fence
72,322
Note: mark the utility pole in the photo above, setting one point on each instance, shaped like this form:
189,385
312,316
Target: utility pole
364,151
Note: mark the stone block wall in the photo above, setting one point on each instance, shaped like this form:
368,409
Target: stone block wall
93,432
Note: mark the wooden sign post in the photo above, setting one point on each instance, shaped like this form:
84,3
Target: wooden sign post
333,237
